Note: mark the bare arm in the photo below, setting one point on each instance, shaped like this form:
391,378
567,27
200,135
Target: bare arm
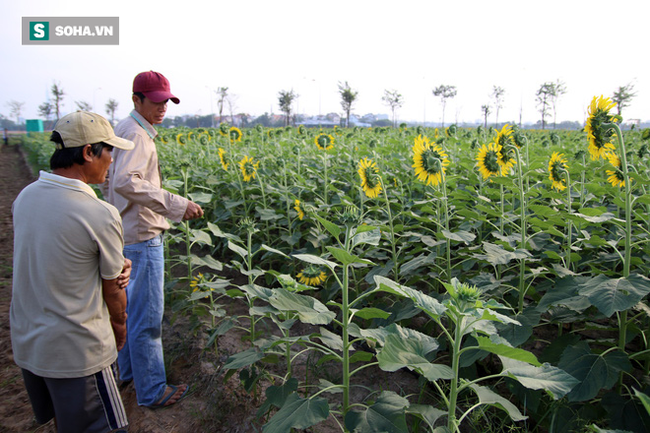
115,297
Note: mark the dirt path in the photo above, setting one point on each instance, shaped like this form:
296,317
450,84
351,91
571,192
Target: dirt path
211,405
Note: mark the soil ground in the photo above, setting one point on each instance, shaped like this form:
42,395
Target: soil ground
212,405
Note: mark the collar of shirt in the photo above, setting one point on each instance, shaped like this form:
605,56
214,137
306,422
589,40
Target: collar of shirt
148,127
66,182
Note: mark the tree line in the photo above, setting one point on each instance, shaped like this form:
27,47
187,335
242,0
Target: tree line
546,98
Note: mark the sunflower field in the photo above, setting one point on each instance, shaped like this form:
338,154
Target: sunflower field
505,268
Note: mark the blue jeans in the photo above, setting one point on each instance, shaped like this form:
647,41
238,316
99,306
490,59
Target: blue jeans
141,359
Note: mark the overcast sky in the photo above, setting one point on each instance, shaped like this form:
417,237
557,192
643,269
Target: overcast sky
257,48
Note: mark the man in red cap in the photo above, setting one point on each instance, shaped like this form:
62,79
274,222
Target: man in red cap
134,187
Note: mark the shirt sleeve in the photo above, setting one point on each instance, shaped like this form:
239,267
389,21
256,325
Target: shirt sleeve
110,241
136,177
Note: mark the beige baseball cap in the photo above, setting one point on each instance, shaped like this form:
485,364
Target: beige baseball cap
82,127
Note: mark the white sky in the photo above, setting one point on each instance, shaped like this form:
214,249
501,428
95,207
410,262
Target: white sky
259,47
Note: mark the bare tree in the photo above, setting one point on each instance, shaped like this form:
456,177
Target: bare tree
444,92
83,106
485,109
497,95
558,89
15,109
285,100
231,100
394,100
57,94
348,96
623,96
222,94
111,108
543,98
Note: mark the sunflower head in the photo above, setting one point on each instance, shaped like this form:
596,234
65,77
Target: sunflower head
223,128
600,138
505,137
557,167
312,275
301,213
247,224
349,216
488,160
507,161
369,174
196,282
615,176
222,158
181,139
235,134
429,161
248,168
324,141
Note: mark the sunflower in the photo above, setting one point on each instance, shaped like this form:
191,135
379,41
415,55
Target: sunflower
194,284
600,140
616,177
488,160
248,168
369,178
429,161
557,165
505,137
222,158
235,134
312,275
324,141
506,161
301,213
180,139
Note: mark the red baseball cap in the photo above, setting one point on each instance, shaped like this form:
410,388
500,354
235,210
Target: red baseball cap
154,86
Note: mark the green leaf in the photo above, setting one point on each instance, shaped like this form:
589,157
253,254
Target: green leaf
239,250
330,339
497,255
273,250
330,227
387,414
243,359
201,237
428,413
277,395
367,235
426,303
611,295
487,396
460,236
347,258
645,400
402,348
298,413
200,197
208,261
488,345
310,310
372,313
547,377
594,371
315,260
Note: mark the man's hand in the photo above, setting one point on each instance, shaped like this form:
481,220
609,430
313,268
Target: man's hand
125,276
193,211
119,330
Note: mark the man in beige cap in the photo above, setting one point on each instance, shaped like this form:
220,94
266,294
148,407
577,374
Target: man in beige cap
135,188
68,306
